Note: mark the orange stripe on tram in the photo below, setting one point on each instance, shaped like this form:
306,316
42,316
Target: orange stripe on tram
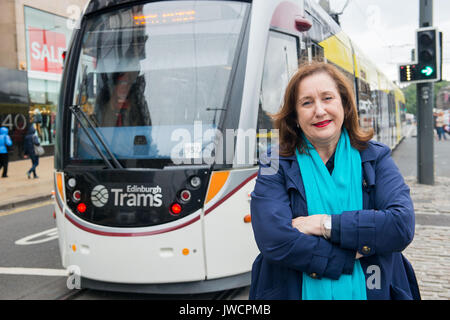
218,179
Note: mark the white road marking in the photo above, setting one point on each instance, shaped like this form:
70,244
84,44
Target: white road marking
35,272
47,235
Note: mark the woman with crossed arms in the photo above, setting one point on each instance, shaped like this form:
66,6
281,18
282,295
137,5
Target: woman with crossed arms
334,216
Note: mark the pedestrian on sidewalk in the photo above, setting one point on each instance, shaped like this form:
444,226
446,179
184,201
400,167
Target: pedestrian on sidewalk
30,141
331,207
447,122
447,129
440,125
5,142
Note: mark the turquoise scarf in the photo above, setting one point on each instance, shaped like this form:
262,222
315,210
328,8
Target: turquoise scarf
333,194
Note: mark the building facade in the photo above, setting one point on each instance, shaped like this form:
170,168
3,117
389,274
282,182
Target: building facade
34,34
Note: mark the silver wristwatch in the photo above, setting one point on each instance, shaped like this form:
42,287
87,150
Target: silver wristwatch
327,227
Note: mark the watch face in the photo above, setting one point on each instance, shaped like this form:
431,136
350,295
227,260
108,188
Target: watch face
327,223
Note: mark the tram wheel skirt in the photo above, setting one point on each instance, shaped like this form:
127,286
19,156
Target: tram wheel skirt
194,287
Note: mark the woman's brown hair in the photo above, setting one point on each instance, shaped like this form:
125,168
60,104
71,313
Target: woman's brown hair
286,119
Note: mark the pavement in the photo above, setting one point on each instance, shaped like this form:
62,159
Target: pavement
17,190
429,253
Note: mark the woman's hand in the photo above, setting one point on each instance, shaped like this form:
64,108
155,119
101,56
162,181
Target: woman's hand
310,225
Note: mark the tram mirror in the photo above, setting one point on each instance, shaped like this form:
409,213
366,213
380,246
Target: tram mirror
302,24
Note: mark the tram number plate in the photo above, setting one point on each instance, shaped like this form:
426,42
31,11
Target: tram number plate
192,150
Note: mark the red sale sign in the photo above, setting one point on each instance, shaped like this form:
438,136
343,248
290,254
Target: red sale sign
45,50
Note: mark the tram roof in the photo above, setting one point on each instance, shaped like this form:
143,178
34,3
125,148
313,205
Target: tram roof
97,5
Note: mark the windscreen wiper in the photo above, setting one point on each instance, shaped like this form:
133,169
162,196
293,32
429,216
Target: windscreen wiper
80,115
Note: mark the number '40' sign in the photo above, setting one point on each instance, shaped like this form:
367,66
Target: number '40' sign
11,121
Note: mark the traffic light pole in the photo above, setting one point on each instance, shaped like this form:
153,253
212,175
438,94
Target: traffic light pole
425,105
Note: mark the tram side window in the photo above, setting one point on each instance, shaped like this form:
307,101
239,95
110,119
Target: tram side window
317,52
281,62
316,31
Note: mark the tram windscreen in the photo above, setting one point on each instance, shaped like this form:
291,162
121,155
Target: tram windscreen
153,78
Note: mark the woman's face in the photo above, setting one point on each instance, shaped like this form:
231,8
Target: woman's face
320,113
123,87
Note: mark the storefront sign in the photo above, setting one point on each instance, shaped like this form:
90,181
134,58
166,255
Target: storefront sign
46,48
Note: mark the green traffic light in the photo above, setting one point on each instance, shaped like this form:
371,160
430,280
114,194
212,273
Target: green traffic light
427,71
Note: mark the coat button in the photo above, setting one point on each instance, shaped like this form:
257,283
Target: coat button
313,275
365,250
364,183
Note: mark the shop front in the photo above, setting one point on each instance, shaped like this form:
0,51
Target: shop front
47,37
14,108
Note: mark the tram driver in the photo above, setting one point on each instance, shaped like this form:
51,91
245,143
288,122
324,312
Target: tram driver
124,104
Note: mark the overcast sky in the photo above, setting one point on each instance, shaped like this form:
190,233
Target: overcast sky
385,30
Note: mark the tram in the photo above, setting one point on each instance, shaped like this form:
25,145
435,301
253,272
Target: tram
163,112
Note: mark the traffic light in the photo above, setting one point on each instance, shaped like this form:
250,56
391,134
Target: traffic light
427,67
407,72
428,53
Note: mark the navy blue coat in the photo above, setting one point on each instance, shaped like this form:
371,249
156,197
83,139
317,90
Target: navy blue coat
380,231
30,141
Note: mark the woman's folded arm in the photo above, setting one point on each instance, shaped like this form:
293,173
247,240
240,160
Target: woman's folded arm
281,243
387,229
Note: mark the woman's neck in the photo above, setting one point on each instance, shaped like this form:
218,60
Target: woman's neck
325,149
325,152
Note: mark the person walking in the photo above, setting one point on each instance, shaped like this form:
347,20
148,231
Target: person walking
440,126
5,142
30,141
330,210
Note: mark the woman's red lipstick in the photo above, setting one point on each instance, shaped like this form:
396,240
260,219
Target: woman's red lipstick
322,124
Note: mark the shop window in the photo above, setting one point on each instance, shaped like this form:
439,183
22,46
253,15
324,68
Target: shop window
47,36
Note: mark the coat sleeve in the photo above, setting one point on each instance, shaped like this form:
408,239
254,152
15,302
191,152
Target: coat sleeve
36,140
8,141
389,227
281,243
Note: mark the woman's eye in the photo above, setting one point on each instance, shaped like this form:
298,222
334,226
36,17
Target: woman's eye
328,98
306,103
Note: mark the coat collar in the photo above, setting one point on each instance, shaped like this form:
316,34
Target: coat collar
368,154
295,178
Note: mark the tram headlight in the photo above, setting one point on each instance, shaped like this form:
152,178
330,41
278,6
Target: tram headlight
195,182
72,182
185,195
175,208
81,207
76,196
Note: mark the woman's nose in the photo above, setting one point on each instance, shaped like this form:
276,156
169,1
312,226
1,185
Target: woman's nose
320,110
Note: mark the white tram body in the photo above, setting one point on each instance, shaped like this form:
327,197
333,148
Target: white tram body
212,247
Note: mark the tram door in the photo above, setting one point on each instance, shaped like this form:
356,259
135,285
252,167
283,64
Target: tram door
229,241
281,62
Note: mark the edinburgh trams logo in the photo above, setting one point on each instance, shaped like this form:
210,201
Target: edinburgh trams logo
131,196
99,196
